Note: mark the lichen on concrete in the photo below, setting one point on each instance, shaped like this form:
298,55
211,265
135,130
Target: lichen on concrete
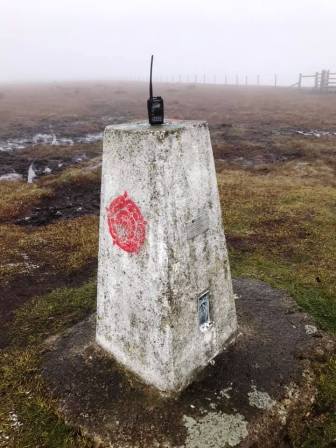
310,329
215,430
260,400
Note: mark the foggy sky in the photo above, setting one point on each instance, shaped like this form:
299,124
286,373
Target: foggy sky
111,39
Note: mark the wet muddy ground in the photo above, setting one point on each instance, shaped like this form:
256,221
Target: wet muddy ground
242,145
68,201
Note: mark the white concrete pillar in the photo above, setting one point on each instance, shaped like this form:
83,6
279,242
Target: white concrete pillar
165,301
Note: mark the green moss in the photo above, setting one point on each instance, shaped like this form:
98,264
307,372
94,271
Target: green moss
49,314
319,431
46,429
27,415
65,247
281,230
27,412
18,197
327,386
73,176
317,301
319,435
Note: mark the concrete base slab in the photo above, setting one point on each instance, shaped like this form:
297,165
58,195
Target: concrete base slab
243,398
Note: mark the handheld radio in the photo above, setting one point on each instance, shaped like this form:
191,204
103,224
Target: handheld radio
154,103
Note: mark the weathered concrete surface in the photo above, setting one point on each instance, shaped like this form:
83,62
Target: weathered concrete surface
242,399
161,246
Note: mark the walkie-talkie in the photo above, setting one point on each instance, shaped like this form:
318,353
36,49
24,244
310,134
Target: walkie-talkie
154,103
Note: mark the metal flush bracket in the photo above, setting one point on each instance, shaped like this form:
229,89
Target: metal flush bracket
203,307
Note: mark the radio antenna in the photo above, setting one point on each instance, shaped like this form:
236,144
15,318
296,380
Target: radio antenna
154,103
150,79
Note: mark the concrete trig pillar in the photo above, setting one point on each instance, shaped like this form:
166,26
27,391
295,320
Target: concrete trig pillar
165,301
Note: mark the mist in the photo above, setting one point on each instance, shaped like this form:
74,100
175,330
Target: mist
203,40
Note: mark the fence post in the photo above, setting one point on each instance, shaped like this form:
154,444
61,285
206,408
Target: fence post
226,80
275,80
300,81
323,80
327,80
316,84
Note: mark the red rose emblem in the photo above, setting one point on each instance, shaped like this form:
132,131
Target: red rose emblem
126,224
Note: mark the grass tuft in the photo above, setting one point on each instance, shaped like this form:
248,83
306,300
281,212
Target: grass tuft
50,314
18,197
319,431
27,415
282,231
61,248
27,412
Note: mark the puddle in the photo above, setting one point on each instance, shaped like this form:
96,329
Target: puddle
315,133
52,139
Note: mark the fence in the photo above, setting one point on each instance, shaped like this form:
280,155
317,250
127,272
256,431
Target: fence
324,81
233,80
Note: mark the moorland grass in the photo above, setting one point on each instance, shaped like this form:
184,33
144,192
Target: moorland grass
18,197
23,394
74,176
49,314
280,229
62,248
28,415
318,429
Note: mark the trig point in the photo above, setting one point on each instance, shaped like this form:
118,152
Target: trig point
165,301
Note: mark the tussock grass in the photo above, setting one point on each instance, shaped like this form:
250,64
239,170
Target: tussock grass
18,197
27,412
319,431
73,176
282,230
64,247
49,314
68,152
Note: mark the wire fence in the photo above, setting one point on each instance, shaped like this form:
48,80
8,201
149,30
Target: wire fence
229,80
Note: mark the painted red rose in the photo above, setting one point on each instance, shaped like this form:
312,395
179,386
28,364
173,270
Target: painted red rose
126,224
